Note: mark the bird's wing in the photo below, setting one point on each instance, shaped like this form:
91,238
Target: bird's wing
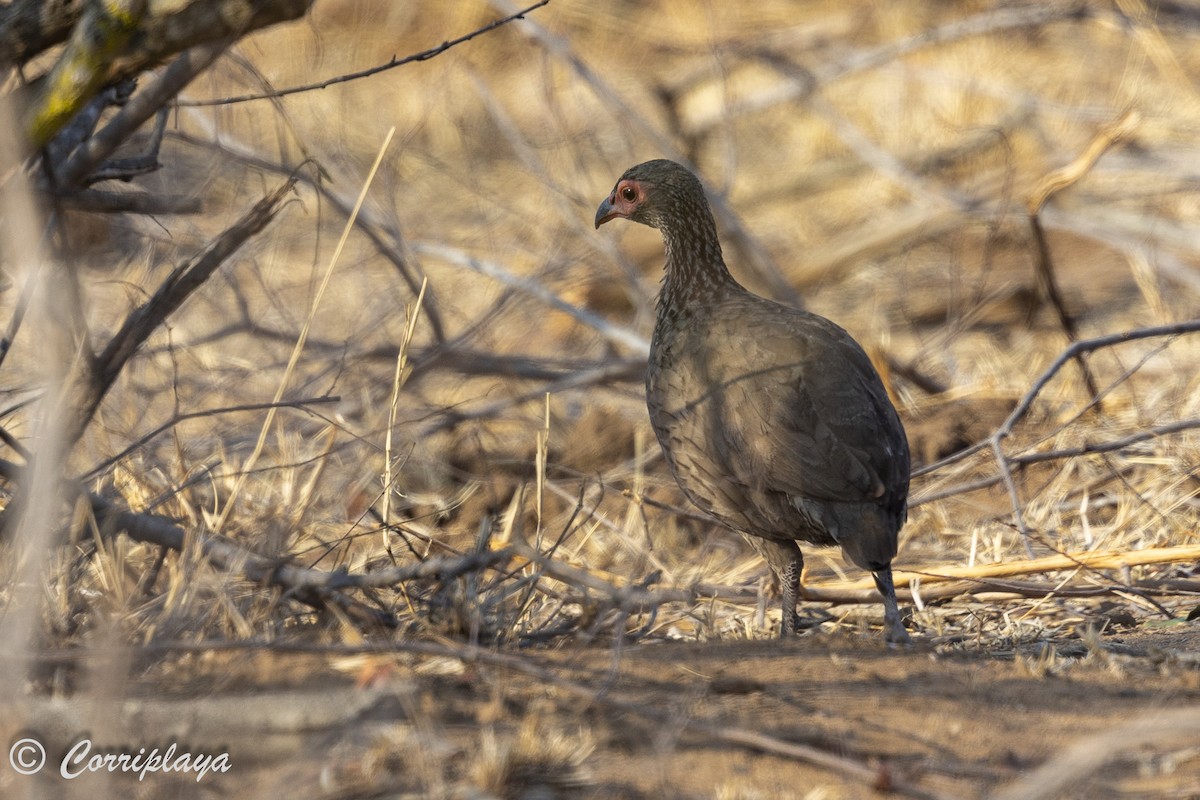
808,415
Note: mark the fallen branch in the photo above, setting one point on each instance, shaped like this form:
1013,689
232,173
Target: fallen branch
227,555
863,591
1069,769
631,597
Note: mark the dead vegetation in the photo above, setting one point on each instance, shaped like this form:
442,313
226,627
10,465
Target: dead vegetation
319,421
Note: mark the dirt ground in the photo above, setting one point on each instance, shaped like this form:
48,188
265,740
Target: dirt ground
820,716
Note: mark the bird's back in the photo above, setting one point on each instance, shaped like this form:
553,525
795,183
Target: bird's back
774,421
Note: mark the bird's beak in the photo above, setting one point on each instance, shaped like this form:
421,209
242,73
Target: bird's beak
606,211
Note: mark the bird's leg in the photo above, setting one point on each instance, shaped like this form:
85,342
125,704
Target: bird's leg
789,585
786,563
893,627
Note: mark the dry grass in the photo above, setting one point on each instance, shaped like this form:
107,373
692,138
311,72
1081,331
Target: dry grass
877,159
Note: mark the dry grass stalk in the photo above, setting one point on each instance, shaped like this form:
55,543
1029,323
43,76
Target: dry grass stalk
298,349
398,380
859,590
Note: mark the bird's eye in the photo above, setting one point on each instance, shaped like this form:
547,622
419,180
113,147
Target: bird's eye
629,194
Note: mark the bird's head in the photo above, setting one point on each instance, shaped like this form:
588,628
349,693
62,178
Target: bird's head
651,193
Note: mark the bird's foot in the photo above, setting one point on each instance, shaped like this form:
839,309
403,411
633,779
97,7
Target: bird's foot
893,626
895,635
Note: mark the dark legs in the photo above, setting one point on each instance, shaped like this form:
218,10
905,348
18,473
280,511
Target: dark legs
893,628
787,563
789,587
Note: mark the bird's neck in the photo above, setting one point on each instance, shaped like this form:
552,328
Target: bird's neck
695,268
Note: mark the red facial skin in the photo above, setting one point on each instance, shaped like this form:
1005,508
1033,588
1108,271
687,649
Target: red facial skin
623,202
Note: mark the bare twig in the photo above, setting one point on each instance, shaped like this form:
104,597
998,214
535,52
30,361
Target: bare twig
298,348
134,202
535,289
1044,268
602,375
177,419
1013,495
1087,346
994,442
1052,184
182,281
1070,174
1107,446
385,234
628,597
141,107
424,55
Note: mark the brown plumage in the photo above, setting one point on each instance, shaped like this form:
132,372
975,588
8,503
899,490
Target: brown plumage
772,419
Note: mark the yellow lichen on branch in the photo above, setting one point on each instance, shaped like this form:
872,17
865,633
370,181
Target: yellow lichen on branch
82,69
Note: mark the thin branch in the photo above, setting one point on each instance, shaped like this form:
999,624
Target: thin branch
424,55
141,107
602,375
1013,496
1026,401
298,347
628,597
178,419
1052,184
135,202
536,289
1087,346
1048,283
177,287
1108,446
385,234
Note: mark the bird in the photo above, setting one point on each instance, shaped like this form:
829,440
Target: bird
772,420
